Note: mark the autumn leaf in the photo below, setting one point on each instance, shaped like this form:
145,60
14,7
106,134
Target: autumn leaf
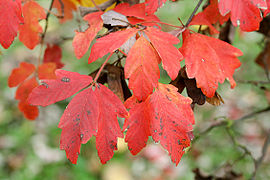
138,125
65,9
18,75
137,14
53,53
142,68
110,43
153,5
47,71
243,13
92,112
29,111
54,90
210,61
82,40
30,30
10,19
25,89
166,115
164,44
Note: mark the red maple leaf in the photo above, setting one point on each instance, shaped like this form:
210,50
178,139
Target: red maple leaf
30,112
209,61
30,30
166,115
10,19
243,13
65,85
110,43
92,112
53,53
82,40
164,44
142,68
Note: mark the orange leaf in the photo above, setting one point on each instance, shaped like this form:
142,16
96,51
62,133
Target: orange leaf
30,112
82,40
46,71
142,68
18,75
26,88
30,30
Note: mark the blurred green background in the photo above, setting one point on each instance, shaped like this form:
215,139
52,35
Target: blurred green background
30,149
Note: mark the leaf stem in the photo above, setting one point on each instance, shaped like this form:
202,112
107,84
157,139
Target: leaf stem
101,68
159,22
193,13
93,1
122,52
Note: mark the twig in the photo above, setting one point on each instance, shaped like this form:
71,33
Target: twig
193,13
236,143
101,68
86,10
260,160
44,32
225,122
122,52
93,1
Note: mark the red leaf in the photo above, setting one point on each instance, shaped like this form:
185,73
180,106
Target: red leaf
138,127
108,128
10,18
79,123
244,13
170,123
29,112
18,75
209,16
47,71
51,91
142,68
65,9
137,10
53,53
92,112
26,88
210,61
108,43
82,40
163,43
153,5
29,31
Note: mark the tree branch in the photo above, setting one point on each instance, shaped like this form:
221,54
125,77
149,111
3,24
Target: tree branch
264,150
86,10
193,13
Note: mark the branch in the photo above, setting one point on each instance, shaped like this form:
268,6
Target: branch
193,13
86,10
264,150
226,121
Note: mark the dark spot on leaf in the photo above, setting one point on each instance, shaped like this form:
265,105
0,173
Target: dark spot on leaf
160,134
65,79
168,89
88,112
45,84
155,130
81,136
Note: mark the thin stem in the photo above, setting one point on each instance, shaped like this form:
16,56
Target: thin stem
93,1
44,32
194,12
101,68
122,52
159,22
